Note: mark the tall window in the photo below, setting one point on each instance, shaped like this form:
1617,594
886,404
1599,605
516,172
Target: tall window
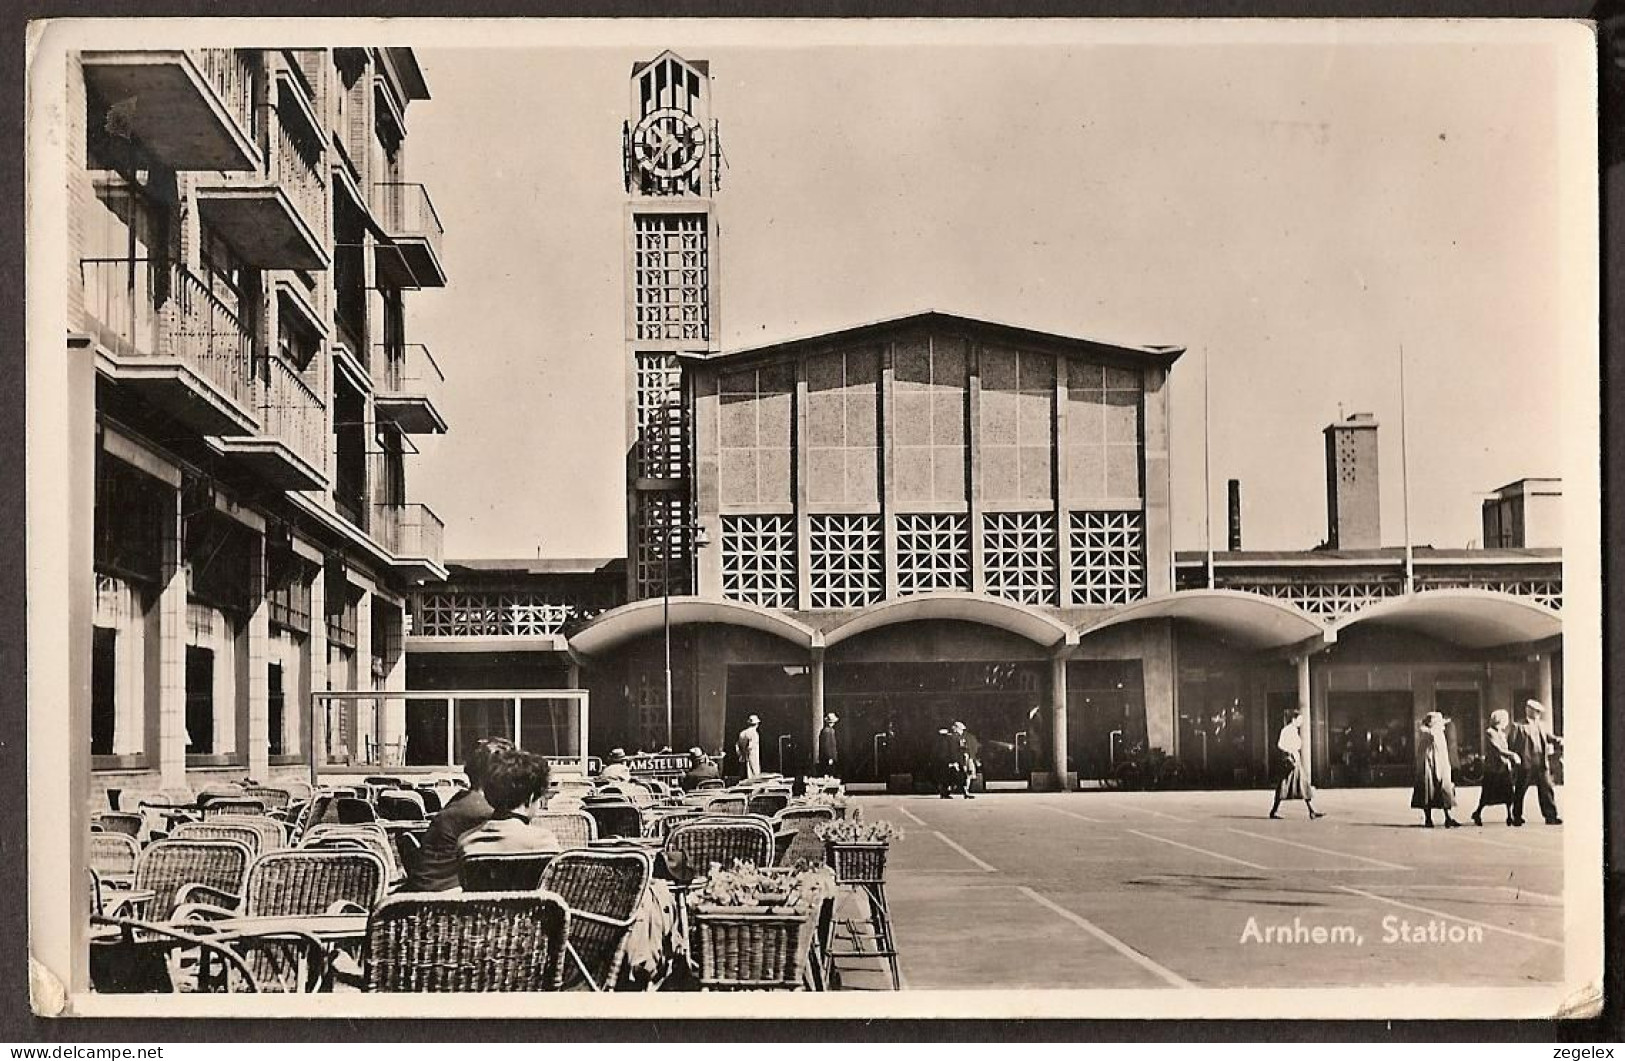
276,707
671,277
660,417
755,435
119,667
121,266
199,700
928,421
103,691
843,391
1102,433
1018,436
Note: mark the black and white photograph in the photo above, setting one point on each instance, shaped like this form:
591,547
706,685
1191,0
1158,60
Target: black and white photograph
857,518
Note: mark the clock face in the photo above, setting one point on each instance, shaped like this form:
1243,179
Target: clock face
668,142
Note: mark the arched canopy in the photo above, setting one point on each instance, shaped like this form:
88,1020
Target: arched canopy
615,628
1019,619
1248,619
1471,618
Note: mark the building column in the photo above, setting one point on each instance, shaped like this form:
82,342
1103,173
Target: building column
361,736
257,739
171,704
313,724
1306,723
1544,685
1058,720
572,723
392,712
817,700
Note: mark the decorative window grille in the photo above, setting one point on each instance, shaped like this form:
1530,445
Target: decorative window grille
848,561
671,267
516,614
1018,555
933,552
1330,600
662,546
1541,590
759,560
1108,557
661,454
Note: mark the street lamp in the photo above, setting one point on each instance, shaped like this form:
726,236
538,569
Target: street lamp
701,540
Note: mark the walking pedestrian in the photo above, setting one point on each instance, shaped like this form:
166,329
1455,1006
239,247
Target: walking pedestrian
956,761
829,750
1291,782
1534,744
1500,761
748,747
1434,788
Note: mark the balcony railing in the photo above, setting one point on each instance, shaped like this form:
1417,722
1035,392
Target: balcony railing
409,530
231,73
293,413
211,338
409,369
405,211
121,303
298,171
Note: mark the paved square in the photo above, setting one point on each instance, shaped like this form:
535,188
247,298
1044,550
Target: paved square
1172,889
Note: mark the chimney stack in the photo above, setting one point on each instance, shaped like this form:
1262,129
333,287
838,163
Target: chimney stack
1353,502
1234,486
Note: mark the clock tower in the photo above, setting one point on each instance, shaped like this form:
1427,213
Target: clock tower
671,157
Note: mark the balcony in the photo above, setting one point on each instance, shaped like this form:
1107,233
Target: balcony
275,220
408,389
413,536
170,340
191,109
290,451
411,255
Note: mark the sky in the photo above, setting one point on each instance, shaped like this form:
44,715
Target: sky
1294,215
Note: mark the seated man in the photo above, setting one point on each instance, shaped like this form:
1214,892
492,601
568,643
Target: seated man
704,769
436,869
615,768
516,789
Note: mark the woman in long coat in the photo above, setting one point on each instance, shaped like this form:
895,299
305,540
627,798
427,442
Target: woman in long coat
1434,788
1288,774
1499,762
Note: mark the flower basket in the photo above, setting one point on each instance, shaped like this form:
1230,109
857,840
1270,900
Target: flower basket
762,947
857,863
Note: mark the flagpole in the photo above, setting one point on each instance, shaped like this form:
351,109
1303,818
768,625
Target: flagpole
1207,465
1405,479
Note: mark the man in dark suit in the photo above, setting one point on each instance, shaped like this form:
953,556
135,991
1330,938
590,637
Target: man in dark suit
829,751
957,755
436,869
1534,745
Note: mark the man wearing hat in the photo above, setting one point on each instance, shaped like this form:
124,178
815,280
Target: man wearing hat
748,747
1533,743
828,747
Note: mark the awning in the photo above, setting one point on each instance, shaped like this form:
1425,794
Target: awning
1009,616
1251,620
1470,618
629,622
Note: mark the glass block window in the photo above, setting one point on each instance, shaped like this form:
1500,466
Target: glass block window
928,419
671,277
848,561
754,435
933,552
1018,555
759,560
1017,421
661,453
662,546
1108,557
1102,432
843,393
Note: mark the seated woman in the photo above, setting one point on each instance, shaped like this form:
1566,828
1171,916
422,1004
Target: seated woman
516,789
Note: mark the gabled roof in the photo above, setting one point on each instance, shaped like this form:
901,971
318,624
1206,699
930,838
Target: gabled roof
1163,356
699,66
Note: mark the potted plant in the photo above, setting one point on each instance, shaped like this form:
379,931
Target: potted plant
755,925
835,801
856,847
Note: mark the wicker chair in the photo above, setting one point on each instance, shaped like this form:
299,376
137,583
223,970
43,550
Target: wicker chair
123,960
492,941
574,828
767,803
615,819
177,870
298,791
303,881
273,834
114,855
603,890
215,808
221,829
401,805
729,804
355,837
707,840
354,810
126,823
668,819
504,871
432,803
711,784
805,821
273,798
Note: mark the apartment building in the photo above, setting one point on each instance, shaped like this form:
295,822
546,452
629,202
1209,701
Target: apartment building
245,239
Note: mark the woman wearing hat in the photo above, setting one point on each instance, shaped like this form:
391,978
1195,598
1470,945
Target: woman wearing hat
828,747
1499,762
1434,788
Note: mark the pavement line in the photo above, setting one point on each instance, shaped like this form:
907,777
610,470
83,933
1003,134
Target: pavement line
1201,850
1379,863
1073,814
910,815
983,866
1496,843
1518,893
1171,978
1160,814
1450,917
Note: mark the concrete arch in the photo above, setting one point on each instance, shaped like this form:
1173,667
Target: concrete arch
1250,619
614,628
1470,618
1019,619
